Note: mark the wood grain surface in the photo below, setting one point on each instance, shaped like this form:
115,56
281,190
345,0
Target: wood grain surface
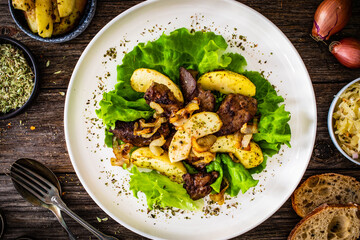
47,143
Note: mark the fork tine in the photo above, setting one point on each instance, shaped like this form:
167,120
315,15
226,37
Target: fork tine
46,182
24,183
37,183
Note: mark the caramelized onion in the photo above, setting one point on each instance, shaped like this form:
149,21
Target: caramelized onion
248,129
147,129
158,109
122,154
155,146
181,116
203,144
207,156
158,122
246,141
330,17
347,52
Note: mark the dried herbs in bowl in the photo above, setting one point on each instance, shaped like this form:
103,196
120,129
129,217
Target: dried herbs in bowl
18,77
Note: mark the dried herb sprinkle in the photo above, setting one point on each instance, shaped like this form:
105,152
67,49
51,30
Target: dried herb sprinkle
16,78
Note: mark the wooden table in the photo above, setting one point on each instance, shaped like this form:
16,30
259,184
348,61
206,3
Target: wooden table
47,142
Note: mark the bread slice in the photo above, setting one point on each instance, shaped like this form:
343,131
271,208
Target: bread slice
340,222
330,188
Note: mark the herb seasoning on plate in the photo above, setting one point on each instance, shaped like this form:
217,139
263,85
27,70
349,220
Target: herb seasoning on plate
16,78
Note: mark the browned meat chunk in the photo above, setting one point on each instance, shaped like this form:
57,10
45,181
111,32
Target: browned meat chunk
198,185
207,100
188,84
125,132
234,111
161,94
190,90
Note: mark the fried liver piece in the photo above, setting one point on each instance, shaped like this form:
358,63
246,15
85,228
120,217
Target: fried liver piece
234,111
125,132
207,100
162,95
187,84
198,185
191,90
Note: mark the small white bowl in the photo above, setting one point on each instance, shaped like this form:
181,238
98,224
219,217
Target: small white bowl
330,122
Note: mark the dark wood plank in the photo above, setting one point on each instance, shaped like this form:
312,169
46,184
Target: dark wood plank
23,219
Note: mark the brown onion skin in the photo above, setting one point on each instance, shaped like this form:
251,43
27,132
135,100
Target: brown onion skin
330,17
347,52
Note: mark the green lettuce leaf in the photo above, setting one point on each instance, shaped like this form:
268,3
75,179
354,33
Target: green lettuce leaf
238,176
161,191
114,107
108,138
237,64
216,166
190,169
273,127
273,131
219,97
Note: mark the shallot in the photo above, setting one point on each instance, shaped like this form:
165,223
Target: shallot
330,17
347,52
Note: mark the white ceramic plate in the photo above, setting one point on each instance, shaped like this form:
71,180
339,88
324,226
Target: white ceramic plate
266,49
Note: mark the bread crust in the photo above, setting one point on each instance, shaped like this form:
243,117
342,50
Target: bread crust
298,195
316,211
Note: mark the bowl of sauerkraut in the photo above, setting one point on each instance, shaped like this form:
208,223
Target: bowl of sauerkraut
344,121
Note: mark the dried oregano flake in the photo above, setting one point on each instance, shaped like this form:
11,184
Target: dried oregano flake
16,78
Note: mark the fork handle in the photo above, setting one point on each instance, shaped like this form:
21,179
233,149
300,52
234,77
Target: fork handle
56,200
57,213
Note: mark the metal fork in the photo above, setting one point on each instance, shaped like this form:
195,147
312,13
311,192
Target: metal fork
48,193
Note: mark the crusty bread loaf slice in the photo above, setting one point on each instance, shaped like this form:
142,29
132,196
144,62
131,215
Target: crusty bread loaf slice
339,221
330,188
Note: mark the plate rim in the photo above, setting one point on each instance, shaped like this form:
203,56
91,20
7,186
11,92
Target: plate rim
129,11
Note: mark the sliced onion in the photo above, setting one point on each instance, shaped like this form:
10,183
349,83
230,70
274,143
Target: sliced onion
246,141
208,157
203,144
122,154
193,105
139,132
148,129
248,129
158,109
180,122
149,135
155,146
181,116
158,122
